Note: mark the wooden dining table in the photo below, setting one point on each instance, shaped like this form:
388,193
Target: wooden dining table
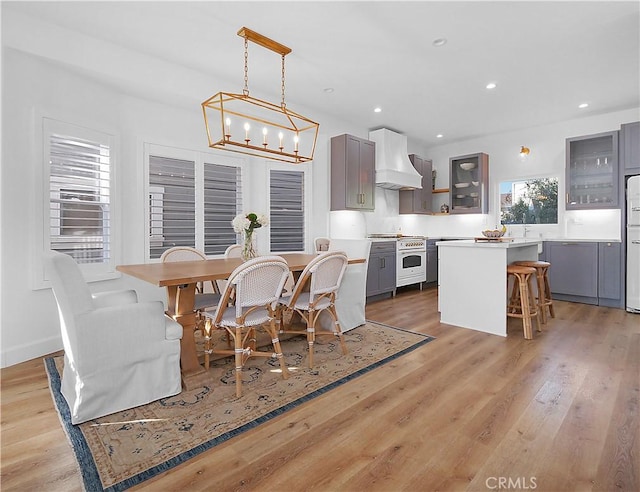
180,279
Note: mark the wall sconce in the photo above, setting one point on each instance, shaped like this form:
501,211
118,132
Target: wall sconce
524,153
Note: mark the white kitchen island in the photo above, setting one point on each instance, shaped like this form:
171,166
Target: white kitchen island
472,281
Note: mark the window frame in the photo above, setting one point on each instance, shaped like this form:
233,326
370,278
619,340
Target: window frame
307,200
199,158
524,179
45,125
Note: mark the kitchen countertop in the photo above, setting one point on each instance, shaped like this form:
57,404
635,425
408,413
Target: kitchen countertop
470,243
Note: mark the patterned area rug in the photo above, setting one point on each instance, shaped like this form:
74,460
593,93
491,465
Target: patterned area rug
126,448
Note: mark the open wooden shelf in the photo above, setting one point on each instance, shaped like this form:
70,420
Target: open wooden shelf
440,190
440,213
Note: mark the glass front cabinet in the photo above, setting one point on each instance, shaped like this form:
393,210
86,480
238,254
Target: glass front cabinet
469,184
592,171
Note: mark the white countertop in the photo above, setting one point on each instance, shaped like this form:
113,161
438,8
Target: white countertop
470,243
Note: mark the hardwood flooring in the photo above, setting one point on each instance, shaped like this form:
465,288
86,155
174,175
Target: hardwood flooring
469,411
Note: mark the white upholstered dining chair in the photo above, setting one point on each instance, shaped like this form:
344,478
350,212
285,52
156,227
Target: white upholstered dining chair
118,353
315,293
254,288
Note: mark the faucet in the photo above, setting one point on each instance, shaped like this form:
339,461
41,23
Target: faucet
526,229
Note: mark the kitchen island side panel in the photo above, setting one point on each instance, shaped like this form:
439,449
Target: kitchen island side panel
472,290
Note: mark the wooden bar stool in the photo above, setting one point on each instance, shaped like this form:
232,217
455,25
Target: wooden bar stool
522,303
544,291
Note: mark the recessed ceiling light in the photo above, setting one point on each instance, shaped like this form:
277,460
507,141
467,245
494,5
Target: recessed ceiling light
439,42
583,105
328,90
377,110
491,85
439,135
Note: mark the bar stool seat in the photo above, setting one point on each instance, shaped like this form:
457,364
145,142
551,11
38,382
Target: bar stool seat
522,303
544,291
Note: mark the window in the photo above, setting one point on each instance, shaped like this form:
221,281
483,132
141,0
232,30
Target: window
531,201
222,200
193,197
287,219
79,183
172,204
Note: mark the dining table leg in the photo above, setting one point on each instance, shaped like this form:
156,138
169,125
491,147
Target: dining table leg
181,300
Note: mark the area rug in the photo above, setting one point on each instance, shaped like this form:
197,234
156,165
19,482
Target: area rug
126,448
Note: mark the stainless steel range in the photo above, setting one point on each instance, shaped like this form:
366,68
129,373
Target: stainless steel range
411,261
411,258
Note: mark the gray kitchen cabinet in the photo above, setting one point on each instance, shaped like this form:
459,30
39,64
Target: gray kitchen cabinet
630,147
610,274
418,201
381,272
586,272
353,163
592,171
573,275
469,184
432,261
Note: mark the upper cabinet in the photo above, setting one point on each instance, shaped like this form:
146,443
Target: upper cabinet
469,184
418,201
353,162
630,147
592,171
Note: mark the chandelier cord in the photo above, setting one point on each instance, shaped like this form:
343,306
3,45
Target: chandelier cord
246,69
283,103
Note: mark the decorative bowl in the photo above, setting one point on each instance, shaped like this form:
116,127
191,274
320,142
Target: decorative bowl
461,185
475,183
493,233
468,166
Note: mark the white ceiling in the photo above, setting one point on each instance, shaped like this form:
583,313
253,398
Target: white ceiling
545,57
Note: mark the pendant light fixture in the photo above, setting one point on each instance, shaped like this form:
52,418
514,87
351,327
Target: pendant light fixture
241,123
524,153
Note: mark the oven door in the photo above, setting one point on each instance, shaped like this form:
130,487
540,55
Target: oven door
411,267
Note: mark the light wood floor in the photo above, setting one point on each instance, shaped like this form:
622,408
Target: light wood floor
469,411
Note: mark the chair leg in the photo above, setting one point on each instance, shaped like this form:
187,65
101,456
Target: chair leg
524,299
338,329
547,290
239,360
273,331
534,308
311,335
542,296
207,343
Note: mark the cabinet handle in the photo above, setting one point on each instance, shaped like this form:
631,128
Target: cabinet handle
635,242
382,262
570,244
566,200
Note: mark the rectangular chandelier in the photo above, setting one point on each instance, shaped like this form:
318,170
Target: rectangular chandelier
241,123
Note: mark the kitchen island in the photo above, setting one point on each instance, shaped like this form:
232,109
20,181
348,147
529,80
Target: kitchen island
472,281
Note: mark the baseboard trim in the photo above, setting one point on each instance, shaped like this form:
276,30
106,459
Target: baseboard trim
38,348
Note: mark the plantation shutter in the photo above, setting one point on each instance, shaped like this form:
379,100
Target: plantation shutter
287,211
172,204
80,198
222,201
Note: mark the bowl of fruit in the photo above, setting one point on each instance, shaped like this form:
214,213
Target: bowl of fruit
494,233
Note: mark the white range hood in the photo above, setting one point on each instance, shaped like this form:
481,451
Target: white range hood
393,167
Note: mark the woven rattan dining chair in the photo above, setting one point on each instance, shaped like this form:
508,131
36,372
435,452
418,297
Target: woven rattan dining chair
233,251
255,288
315,292
203,299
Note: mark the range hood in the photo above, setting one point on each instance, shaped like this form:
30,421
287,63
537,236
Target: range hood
393,167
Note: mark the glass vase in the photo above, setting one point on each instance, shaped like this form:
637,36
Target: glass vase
249,246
